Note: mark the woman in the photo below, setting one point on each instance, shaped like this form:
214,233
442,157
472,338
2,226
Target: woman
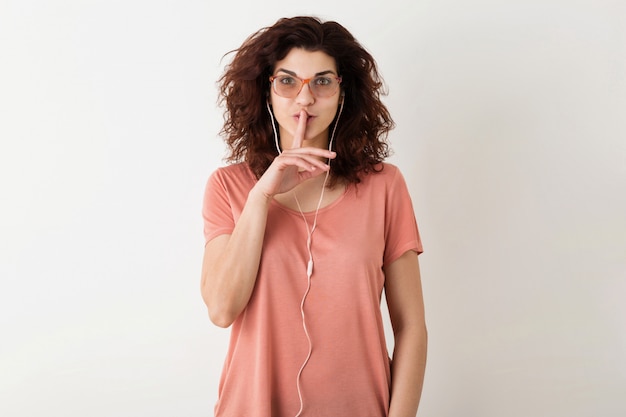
305,229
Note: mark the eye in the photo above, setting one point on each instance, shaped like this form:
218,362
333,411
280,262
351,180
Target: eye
286,80
323,81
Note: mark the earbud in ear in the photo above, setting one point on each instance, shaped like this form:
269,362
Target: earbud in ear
342,97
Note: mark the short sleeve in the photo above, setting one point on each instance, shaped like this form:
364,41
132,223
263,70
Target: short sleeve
401,231
217,210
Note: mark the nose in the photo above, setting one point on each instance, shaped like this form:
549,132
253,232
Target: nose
305,96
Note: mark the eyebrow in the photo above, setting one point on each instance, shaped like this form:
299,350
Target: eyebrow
316,75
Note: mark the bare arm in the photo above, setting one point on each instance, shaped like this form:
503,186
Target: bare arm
231,262
406,309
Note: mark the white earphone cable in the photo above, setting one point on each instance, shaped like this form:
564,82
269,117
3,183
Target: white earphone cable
310,231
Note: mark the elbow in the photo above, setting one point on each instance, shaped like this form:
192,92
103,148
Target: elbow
221,315
417,332
218,310
422,332
220,319
223,306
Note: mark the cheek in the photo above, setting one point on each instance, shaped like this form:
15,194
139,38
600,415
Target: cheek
332,111
283,117
277,109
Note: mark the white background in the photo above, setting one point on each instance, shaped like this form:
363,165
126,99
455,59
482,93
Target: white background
511,132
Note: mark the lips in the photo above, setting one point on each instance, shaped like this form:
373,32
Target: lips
309,117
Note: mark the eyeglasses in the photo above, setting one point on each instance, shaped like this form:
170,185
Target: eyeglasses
289,86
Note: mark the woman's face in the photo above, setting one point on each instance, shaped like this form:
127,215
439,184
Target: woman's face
321,111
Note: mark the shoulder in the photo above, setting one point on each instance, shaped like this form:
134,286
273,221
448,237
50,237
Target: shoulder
236,173
240,171
231,179
389,170
384,174
387,183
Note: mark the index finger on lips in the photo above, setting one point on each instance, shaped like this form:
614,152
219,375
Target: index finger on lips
298,136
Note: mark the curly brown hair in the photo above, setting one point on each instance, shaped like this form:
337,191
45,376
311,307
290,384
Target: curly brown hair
361,136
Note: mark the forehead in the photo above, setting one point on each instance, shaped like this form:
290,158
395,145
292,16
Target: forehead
306,63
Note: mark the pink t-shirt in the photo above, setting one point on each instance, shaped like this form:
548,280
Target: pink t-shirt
348,373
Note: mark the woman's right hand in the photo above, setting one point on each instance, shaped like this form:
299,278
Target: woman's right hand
228,277
295,165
